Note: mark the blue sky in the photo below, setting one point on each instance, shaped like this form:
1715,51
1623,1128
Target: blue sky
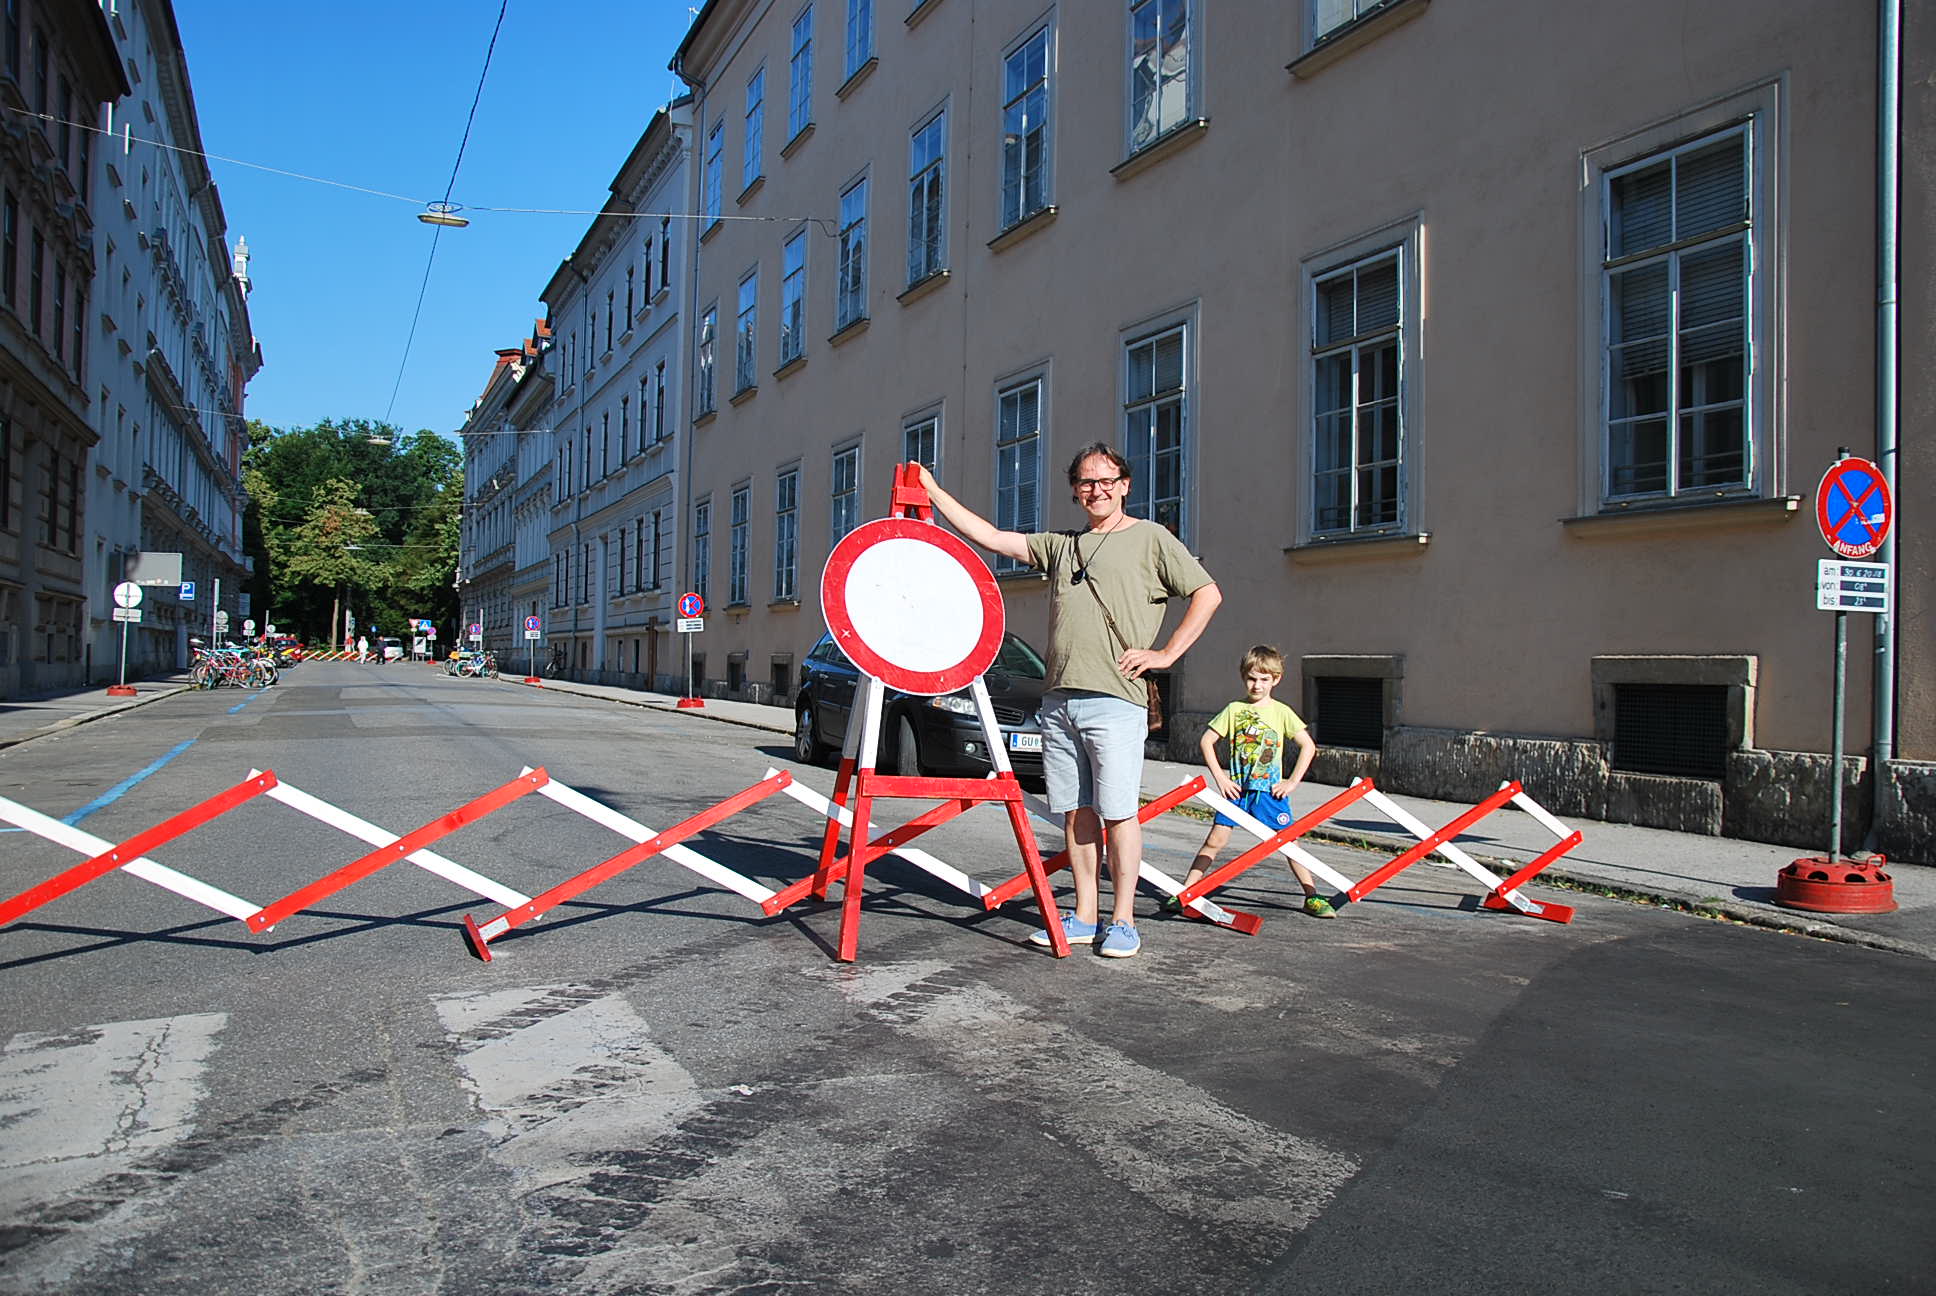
376,95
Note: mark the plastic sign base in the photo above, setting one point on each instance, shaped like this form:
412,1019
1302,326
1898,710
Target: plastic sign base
691,704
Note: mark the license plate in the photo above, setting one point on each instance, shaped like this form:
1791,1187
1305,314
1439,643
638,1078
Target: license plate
1029,742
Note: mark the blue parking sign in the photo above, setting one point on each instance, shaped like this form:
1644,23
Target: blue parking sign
188,591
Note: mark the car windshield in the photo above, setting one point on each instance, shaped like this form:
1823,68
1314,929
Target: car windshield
1017,658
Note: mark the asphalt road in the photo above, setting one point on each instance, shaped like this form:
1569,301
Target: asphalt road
656,1089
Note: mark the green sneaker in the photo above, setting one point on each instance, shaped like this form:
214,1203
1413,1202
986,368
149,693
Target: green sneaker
1170,905
1318,907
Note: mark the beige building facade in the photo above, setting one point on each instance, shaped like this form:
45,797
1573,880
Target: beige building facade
1489,355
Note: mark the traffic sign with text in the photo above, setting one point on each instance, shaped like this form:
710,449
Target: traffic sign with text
1851,586
691,625
1853,508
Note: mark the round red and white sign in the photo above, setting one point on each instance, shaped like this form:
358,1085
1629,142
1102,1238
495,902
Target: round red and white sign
912,605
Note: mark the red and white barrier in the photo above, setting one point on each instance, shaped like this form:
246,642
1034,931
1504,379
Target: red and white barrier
1506,894
128,857
647,844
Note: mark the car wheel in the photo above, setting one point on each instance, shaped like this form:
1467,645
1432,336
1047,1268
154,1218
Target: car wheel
807,747
907,752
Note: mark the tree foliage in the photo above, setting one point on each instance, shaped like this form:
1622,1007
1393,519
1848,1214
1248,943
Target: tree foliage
353,508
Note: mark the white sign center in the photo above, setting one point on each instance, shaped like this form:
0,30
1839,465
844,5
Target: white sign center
914,605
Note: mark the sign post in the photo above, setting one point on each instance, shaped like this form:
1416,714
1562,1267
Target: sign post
533,628
1854,512
692,619
127,607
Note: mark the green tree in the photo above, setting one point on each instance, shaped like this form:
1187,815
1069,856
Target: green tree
409,488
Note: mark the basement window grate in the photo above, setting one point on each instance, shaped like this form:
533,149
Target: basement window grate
1674,729
1351,712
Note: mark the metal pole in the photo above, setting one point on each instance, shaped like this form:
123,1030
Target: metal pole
1835,765
689,692
1888,348
124,655
214,614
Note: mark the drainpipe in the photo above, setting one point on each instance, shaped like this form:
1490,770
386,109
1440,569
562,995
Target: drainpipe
689,321
1888,347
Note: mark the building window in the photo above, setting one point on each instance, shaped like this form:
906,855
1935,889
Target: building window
1160,90
793,291
35,283
751,158
1156,425
1679,249
59,338
1327,16
659,405
648,270
703,362
585,574
736,575
631,282
746,344
860,33
921,441
1349,711
702,547
715,169
1357,427
850,304
80,329
625,427
6,473
640,578
665,253
656,554
1680,730
845,514
927,198
1025,129
786,535
1018,454
10,249
800,74
610,297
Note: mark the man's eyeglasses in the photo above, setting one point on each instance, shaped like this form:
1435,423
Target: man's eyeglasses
1097,483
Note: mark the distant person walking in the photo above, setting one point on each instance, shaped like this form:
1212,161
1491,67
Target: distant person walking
362,648
1107,585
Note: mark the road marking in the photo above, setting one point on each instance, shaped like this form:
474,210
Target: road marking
560,1070
120,789
81,1105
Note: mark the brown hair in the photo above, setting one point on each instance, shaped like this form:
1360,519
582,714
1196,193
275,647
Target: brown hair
1098,449
1263,657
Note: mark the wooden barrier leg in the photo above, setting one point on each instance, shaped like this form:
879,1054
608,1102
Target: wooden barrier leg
1038,877
857,845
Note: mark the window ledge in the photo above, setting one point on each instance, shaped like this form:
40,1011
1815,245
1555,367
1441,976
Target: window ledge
1659,519
1359,32
703,417
851,329
1023,228
1028,574
923,286
791,367
744,394
922,9
660,295
1173,140
753,186
861,73
1348,548
626,336
712,228
800,137
784,605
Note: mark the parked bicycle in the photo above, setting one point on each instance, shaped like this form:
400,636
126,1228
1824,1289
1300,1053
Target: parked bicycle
230,666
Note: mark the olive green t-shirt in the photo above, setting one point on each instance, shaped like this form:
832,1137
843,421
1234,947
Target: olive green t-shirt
1136,570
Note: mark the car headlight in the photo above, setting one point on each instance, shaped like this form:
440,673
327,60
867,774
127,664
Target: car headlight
955,703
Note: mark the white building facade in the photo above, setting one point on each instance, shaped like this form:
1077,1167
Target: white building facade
174,353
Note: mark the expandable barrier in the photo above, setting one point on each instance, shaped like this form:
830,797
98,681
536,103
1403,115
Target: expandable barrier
1501,894
646,844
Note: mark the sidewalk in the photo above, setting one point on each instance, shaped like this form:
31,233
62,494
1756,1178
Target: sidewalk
1714,875
22,719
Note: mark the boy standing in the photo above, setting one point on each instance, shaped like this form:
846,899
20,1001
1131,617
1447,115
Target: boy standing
1257,726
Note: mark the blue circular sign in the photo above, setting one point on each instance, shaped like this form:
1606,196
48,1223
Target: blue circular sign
533,623
691,605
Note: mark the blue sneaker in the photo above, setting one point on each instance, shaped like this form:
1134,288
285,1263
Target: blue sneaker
1077,931
1121,941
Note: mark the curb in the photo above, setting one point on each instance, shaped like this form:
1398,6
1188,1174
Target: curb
89,716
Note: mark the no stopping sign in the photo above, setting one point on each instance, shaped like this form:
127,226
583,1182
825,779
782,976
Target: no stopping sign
912,605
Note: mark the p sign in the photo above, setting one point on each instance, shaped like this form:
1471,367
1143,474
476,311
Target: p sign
1853,508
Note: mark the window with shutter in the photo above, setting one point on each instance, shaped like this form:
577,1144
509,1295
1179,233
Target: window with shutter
1677,276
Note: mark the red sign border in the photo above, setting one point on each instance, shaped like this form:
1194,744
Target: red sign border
699,608
1831,478
833,607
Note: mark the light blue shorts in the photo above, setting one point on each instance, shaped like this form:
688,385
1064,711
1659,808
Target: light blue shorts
1092,752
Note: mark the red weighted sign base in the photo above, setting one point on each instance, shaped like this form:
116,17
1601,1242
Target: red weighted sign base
691,704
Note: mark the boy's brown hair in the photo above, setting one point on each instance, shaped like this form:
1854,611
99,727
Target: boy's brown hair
1263,657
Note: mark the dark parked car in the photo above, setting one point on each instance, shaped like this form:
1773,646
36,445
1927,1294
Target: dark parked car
924,735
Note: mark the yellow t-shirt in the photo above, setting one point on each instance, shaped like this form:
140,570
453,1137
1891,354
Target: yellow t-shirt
1257,732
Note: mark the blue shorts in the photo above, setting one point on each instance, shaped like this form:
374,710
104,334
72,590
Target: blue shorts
1259,804
1092,752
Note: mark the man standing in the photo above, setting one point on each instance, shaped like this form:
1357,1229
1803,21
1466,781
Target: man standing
1107,586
